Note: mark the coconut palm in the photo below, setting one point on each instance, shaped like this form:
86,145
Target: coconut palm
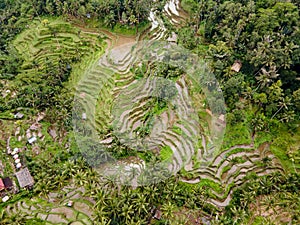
101,214
265,77
283,103
141,204
168,210
151,193
127,212
60,180
70,168
43,187
101,198
80,178
90,188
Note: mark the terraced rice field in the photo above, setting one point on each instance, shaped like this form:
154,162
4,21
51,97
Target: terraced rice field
116,105
55,210
124,102
55,40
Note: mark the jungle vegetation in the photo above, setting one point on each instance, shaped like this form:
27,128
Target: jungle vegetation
262,102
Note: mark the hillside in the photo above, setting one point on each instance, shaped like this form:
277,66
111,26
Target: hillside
125,112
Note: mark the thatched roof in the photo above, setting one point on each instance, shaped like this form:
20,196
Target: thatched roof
24,178
236,66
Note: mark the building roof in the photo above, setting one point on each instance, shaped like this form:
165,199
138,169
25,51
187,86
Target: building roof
7,182
18,115
236,66
24,178
2,187
157,214
5,198
32,139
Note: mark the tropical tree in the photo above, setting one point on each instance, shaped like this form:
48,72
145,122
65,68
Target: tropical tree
265,77
168,210
80,178
283,103
141,204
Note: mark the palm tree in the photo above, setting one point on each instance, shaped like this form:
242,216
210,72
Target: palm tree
127,212
283,103
60,180
113,206
43,187
267,77
70,168
81,163
109,20
141,204
172,192
93,175
151,193
90,188
80,178
102,215
101,198
247,198
288,116
133,21
168,210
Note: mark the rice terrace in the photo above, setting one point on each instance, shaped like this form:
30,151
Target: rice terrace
149,112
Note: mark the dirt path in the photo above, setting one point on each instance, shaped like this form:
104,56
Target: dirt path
114,40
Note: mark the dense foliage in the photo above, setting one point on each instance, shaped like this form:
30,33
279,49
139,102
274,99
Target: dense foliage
263,98
15,16
264,37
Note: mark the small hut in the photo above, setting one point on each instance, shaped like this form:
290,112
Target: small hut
157,214
7,183
24,178
84,116
5,199
236,66
32,140
18,115
70,203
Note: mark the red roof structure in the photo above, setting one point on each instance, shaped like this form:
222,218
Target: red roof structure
2,187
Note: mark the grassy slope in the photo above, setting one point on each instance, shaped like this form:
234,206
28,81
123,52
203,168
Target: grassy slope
38,43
